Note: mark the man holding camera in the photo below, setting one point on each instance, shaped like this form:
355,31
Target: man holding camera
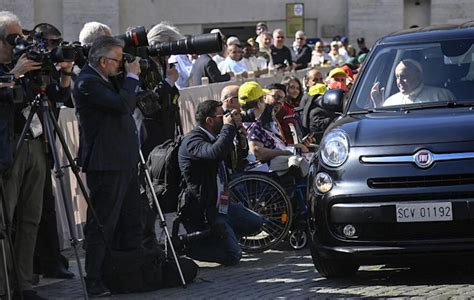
206,199
25,181
108,154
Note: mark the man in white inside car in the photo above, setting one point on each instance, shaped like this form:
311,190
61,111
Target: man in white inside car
409,75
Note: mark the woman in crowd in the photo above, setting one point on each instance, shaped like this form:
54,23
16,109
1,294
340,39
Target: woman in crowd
294,90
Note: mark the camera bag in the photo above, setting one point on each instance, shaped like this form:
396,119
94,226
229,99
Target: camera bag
166,175
144,270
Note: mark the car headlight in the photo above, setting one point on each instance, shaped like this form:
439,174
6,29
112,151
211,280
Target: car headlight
335,148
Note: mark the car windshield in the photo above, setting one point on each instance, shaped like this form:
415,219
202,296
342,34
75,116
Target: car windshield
405,76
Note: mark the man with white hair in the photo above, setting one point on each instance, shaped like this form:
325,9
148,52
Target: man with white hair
409,75
91,31
302,51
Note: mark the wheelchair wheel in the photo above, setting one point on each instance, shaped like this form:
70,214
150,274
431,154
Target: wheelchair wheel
266,197
298,239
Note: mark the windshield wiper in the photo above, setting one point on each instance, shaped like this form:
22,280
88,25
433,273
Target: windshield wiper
372,110
449,103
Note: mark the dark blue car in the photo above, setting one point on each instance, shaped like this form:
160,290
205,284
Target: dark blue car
394,179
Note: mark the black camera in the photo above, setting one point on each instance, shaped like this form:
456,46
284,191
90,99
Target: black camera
199,44
144,63
7,78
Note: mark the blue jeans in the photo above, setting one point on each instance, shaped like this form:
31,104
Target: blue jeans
239,222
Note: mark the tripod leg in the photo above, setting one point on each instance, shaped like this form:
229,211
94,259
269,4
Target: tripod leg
59,174
75,169
162,218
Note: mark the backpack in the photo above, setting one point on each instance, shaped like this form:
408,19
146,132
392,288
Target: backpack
144,270
165,174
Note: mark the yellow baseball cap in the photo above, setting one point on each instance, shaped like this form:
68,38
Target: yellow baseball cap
251,91
317,89
336,71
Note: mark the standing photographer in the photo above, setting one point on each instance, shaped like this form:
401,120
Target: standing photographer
25,183
159,83
108,154
48,259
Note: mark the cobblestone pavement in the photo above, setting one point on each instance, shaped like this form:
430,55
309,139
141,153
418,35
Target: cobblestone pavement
290,274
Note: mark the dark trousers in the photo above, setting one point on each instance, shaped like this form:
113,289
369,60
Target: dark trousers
115,198
47,254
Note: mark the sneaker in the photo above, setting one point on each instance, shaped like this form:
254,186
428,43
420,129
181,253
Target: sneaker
96,289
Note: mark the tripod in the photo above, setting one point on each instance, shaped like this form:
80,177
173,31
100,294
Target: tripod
41,104
160,214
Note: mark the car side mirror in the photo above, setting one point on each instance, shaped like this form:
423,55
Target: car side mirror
333,100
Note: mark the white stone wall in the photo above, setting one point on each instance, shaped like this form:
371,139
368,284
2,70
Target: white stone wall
21,8
373,19
451,12
77,12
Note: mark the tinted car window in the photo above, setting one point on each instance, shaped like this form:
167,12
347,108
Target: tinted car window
400,76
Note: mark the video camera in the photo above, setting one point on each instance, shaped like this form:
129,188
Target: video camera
35,49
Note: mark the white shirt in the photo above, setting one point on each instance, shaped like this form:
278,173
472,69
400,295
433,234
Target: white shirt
422,93
336,60
251,63
230,65
318,58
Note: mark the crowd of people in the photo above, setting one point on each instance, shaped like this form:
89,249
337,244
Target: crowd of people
267,53
122,109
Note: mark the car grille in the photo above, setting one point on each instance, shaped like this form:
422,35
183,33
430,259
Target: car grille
420,181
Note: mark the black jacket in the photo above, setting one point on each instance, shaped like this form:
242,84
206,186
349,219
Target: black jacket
108,134
199,159
315,118
204,66
303,57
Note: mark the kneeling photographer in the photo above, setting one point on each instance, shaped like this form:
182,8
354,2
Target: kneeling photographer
205,204
25,181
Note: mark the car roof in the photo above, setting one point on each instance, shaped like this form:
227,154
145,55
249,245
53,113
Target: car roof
431,34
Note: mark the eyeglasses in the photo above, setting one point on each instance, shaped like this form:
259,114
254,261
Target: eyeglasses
114,59
277,97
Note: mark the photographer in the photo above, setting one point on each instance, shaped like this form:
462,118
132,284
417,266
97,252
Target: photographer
109,147
206,200
158,83
25,182
160,79
48,259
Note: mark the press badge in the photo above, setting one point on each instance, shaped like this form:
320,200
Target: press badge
224,203
35,125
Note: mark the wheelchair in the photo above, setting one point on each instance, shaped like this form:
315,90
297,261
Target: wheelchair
280,200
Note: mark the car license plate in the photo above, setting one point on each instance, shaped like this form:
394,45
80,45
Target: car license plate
424,212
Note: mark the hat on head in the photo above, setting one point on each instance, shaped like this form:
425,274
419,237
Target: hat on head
352,62
348,71
344,40
251,91
336,71
317,89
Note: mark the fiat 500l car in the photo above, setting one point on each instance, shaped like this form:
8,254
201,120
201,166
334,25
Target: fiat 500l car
394,178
